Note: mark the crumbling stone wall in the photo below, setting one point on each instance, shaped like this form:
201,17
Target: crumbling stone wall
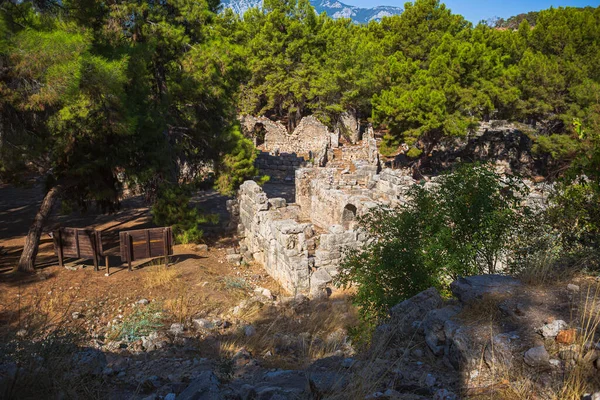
299,255
309,138
301,244
280,167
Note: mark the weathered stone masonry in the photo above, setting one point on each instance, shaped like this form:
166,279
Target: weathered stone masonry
301,244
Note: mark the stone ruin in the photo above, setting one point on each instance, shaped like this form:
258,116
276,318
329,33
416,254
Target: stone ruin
301,243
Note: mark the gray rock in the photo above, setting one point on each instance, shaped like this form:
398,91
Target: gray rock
573,288
551,330
249,331
277,202
152,342
406,317
322,383
204,387
536,357
88,362
202,247
475,287
348,362
336,229
234,258
433,327
170,396
320,279
498,351
177,329
76,315
203,324
143,302
458,349
430,380
444,394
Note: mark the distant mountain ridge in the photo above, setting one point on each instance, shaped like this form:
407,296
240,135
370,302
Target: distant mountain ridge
333,8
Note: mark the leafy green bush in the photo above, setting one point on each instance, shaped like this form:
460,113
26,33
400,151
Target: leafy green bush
463,224
574,211
172,208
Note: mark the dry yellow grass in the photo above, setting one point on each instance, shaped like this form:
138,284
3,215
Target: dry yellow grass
160,275
315,332
182,307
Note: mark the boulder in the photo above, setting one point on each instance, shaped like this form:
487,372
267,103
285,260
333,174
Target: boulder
234,258
536,357
405,314
177,329
551,330
88,362
204,387
319,280
499,350
327,382
203,324
475,287
433,327
406,317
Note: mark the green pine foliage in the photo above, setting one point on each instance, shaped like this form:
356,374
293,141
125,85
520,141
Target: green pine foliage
238,164
173,208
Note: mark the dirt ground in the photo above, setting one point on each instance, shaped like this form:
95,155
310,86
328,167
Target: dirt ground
203,272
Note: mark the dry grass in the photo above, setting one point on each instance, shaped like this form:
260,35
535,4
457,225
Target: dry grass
540,271
291,339
580,376
484,311
182,307
158,275
37,333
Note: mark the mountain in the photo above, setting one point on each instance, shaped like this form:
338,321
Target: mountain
333,8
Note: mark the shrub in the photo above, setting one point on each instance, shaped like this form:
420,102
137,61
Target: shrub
172,208
574,211
463,224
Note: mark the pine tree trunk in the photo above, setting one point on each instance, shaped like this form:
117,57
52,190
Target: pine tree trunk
32,242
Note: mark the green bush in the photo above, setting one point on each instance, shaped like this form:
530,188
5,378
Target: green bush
172,208
463,224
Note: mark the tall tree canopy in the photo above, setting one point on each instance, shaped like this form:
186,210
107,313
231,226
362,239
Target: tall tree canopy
93,89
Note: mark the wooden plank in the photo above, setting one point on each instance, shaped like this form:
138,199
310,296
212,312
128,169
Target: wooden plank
95,252
77,243
60,250
129,252
166,248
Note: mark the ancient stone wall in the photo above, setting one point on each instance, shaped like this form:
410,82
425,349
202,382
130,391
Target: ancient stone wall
309,137
301,244
281,167
300,256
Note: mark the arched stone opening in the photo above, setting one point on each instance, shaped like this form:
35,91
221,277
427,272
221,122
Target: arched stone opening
259,134
349,216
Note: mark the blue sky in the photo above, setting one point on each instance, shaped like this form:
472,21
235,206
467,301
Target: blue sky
475,11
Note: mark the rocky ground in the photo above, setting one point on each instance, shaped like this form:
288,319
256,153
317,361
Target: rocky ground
495,338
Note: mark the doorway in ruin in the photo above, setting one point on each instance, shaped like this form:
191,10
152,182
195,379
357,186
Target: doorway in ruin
349,216
259,134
